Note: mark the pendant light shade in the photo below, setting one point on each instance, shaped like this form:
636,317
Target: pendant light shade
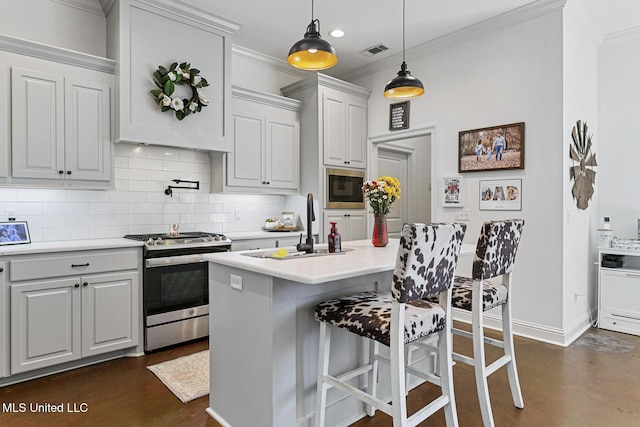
404,85
312,52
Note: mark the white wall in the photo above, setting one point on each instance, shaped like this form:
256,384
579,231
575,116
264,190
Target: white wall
511,75
78,25
619,91
580,101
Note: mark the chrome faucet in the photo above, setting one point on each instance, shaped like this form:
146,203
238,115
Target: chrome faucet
308,245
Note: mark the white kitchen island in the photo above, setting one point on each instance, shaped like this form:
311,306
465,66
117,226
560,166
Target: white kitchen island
264,338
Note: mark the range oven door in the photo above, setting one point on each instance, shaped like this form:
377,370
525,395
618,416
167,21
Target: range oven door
176,300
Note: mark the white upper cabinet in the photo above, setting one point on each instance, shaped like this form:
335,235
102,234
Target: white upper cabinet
60,127
344,124
266,145
5,120
143,35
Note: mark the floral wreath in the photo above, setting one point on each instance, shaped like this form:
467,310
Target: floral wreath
181,74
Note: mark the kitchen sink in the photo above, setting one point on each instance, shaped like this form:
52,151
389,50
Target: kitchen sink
274,254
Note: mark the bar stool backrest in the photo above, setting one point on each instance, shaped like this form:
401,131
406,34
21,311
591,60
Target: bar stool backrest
427,258
497,247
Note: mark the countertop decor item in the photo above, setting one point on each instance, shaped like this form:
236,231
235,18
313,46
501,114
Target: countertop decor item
583,175
381,194
180,74
14,233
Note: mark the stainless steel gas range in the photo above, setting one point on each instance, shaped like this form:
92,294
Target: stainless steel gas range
176,286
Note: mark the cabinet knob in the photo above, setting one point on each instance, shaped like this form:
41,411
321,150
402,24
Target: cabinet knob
60,172
85,284
1,269
268,183
77,285
68,172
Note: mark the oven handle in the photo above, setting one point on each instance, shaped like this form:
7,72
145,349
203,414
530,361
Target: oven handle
174,260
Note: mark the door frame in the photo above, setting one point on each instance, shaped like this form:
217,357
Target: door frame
391,141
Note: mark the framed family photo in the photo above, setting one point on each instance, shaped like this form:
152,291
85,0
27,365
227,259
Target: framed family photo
14,233
492,148
501,195
452,194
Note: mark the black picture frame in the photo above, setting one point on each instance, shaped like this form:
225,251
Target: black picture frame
14,233
399,115
477,151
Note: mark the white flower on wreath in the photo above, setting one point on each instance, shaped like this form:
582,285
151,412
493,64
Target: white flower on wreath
196,80
192,106
165,100
177,104
172,76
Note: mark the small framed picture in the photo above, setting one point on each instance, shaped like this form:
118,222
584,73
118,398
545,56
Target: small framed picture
501,195
452,190
288,219
399,115
14,233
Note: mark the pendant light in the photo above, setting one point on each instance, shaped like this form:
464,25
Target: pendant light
404,85
312,52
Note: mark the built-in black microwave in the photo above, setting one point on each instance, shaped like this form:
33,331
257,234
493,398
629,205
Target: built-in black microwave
344,189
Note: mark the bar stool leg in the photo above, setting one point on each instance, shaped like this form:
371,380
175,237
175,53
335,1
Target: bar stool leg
512,370
323,370
479,360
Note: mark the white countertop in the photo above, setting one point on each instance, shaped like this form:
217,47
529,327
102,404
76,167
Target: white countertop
363,259
68,245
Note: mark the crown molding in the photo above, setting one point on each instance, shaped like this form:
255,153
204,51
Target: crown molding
491,25
180,9
265,98
90,6
621,37
319,79
106,6
57,54
267,61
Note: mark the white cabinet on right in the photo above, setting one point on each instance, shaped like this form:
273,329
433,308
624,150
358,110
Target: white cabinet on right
619,292
344,129
351,223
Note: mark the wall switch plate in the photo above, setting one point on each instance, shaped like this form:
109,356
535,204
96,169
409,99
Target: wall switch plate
236,282
462,215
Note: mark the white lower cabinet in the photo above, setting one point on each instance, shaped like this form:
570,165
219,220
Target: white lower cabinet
619,293
351,224
64,319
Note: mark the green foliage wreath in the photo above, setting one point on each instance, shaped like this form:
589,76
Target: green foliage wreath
180,74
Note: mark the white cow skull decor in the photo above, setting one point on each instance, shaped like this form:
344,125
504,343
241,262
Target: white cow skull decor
582,174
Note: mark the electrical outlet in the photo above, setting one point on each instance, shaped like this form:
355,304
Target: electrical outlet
462,215
237,213
236,282
12,214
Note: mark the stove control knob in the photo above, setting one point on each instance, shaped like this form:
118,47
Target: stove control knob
159,241
217,237
150,241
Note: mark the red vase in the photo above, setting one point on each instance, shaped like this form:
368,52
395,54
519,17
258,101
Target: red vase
380,238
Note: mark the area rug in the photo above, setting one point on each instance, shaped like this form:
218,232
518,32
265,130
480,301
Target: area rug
187,377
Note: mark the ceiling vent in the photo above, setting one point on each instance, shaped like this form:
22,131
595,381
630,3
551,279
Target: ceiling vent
370,51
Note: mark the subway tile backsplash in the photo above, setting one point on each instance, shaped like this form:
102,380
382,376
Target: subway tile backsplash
138,204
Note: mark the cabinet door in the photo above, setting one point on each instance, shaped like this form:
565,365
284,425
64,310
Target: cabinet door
245,162
45,319
356,134
620,293
87,131
37,102
4,323
357,225
282,161
333,128
5,129
109,312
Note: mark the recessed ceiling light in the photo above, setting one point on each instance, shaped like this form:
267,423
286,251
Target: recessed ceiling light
337,33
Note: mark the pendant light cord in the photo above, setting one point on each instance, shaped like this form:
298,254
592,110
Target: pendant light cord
404,2
311,10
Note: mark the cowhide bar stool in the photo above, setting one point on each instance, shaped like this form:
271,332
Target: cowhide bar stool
425,265
495,256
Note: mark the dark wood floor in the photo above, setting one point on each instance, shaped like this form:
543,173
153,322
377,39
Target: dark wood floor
594,384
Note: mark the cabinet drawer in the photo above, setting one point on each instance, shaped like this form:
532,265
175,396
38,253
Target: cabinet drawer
617,323
73,263
620,292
